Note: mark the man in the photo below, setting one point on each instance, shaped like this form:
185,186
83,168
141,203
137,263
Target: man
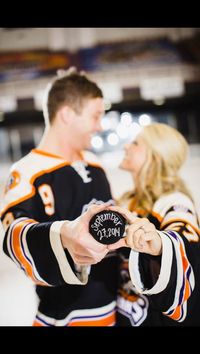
45,211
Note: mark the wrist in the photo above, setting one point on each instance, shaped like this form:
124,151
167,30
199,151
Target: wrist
159,245
64,232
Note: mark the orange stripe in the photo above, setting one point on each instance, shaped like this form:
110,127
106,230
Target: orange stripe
187,290
138,211
94,164
126,296
185,262
108,321
184,259
176,314
41,152
181,220
157,216
18,250
33,178
45,153
37,324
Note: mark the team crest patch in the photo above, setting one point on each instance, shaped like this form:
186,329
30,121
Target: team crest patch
13,180
130,303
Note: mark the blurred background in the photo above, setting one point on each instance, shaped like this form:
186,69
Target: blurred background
146,74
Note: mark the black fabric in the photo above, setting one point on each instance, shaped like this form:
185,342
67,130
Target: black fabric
72,195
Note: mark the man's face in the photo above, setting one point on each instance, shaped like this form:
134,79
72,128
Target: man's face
87,122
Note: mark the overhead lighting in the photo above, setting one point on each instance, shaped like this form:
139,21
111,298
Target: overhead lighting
1,116
159,101
122,131
112,139
126,118
105,123
144,119
134,130
108,105
8,104
112,92
155,88
97,142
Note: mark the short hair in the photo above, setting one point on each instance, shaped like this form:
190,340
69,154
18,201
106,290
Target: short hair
70,88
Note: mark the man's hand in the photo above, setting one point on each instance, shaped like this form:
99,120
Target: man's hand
75,237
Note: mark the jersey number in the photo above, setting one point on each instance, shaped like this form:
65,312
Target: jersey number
46,194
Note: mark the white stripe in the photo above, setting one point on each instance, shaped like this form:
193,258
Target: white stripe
98,313
65,269
165,269
189,233
134,271
174,216
28,256
165,202
180,275
184,311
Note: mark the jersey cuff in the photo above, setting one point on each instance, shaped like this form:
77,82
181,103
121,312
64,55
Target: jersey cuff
165,268
67,273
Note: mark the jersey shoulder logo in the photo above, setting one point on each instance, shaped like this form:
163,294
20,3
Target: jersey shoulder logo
13,180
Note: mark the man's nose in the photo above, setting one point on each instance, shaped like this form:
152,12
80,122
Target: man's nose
98,126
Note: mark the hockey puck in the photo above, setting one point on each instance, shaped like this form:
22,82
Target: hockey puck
107,226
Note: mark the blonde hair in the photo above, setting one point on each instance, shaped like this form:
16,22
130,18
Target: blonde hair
167,151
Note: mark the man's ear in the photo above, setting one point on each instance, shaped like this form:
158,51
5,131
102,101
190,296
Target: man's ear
66,114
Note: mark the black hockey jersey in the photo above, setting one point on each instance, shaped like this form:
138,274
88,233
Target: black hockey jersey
42,192
164,290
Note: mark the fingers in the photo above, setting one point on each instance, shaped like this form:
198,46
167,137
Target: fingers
133,237
81,250
94,209
88,242
126,213
118,244
77,239
91,258
139,233
82,260
146,242
142,223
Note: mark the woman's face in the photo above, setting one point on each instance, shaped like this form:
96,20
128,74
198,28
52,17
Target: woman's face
135,156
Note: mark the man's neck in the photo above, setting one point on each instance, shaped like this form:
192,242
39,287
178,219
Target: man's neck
57,146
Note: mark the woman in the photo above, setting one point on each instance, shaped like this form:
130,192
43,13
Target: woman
161,284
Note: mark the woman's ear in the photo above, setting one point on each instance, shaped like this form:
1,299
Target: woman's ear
66,114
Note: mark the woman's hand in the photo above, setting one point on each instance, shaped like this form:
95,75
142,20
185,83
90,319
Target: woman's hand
141,234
